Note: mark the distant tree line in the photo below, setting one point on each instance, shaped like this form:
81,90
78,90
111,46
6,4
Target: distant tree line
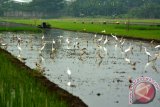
39,8
116,8
84,8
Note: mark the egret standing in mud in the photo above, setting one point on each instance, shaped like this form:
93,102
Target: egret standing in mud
53,43
42,48
42,39
121,45
19,49
69,73
60,39
53,49
106,40
100,39
129,49
95,35
148,54
68,42
127,60
157,47
115,37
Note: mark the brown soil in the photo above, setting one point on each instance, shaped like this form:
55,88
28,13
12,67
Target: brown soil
72,101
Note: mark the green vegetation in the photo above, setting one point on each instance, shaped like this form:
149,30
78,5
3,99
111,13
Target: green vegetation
81,8
18,28
144,31
19,89
115,8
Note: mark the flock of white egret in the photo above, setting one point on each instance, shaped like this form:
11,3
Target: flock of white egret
91,66
100,47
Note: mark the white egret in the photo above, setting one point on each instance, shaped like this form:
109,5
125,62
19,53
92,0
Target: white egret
106,40
156,47
43,37
60,36
68,42
4,44
76,38
122,43
53,49
132,64
19,48
128,60
69,83
42,48
69,73
104,49
100,39
42,40
115,37
115,47
121,40
41,59
148,54
53,42
128,49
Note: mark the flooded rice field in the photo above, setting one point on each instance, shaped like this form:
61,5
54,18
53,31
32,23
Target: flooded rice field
93,67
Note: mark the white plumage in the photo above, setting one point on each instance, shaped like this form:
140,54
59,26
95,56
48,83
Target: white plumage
127,60
100,39
106,40
67,40
149,54
68,71
128,49
115,37
158,46
54,42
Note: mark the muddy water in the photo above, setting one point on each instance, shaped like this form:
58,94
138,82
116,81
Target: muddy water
99,73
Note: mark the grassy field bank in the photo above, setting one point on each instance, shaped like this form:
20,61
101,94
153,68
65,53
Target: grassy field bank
18,29
147,30
22,87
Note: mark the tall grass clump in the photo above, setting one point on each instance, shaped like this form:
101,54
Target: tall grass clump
19,89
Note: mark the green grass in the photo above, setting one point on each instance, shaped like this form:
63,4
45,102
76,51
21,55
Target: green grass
17,29
135,31
19,89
